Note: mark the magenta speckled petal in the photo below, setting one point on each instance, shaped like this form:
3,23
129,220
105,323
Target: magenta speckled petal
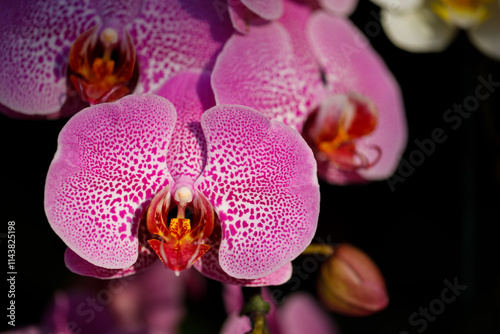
352,65
209,266
35,38
191,95
295,20
82,267
172,36
261,179
258,70
122,11
340,7
267,9
109,164
302,314
146,258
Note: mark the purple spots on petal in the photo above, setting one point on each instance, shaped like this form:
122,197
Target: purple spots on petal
174,36
93,197
232,230
272,176
122,228
33,41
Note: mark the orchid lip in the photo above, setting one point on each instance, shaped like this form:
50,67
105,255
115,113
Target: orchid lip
335,129
182,241
102,64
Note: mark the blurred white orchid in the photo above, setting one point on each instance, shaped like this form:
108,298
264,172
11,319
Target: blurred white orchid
431,25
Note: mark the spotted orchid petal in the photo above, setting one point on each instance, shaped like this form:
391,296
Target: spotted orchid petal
267,9
35,38
209,266
174,36
351,65
340,7
420,30
109,164
259,70
295,20
191,94
122,11
260,179
146,258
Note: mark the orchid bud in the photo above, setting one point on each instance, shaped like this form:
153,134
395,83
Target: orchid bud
351,283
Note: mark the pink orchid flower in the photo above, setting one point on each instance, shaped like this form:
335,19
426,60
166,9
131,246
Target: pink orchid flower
151,302
299,314
117,47
318,74
239,190
243,11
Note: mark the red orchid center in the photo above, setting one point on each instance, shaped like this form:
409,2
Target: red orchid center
102,64
339,123
182,242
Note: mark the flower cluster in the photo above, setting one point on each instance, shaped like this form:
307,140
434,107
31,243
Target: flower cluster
199,130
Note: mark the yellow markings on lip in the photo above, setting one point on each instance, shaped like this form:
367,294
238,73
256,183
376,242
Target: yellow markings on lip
464,13
180,244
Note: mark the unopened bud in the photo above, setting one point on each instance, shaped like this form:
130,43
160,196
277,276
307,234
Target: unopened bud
351,283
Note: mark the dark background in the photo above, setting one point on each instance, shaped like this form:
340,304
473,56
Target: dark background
438,224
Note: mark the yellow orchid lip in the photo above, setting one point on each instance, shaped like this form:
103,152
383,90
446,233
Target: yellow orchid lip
464,13
102,64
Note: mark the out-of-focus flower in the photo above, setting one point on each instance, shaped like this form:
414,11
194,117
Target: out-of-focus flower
151,302
242,12
351,283
310,65
155,38
299,314
430,26
226,189
339,7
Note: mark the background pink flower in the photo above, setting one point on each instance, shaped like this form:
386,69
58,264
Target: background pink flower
300,313
291,67
35,38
